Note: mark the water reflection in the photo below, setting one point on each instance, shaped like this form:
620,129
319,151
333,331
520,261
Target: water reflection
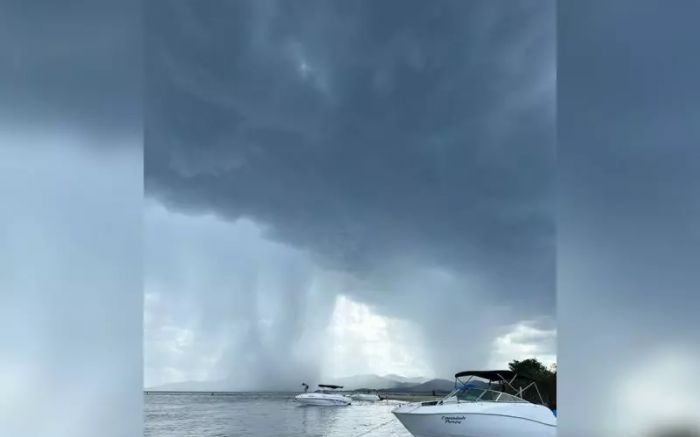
264,414
317,419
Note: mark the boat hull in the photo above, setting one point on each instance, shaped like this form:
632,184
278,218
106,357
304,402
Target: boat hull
322,400
475,422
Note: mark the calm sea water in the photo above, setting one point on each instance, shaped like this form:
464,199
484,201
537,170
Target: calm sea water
264,414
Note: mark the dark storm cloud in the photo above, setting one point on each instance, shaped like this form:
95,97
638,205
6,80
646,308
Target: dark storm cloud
73,63
363,131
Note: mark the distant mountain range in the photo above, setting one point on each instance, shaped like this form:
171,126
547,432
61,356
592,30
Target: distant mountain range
399,378
436,385
389,382
375,382
395,383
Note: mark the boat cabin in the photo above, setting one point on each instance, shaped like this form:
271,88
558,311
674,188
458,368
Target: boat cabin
328,388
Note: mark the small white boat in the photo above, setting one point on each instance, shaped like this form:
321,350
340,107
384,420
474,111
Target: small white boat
480,411
326,395
367,396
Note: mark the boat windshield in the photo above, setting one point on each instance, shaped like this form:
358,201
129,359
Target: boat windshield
480,395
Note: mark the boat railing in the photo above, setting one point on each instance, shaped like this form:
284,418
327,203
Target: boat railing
481,395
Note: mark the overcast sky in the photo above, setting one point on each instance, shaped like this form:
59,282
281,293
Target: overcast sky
347,187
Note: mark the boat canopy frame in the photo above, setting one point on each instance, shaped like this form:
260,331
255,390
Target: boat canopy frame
503,377
330,386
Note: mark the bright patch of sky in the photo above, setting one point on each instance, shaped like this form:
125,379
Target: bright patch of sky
360,341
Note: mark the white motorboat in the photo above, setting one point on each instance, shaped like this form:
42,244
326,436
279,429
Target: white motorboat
365,395
326,395
481,410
